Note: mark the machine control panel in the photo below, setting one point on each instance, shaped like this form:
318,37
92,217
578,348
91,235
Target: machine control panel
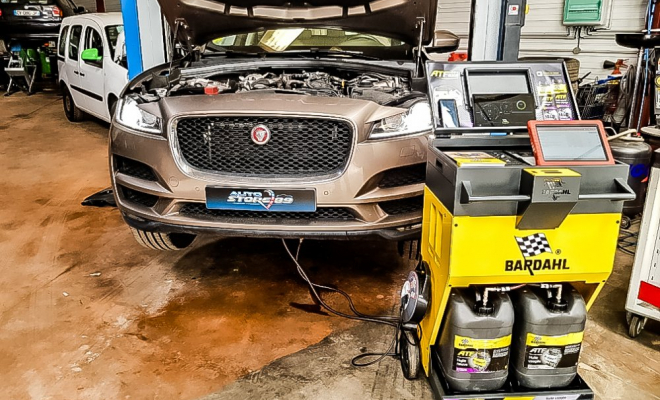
498,96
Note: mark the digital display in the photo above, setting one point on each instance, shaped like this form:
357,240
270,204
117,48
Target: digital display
571,143
516,82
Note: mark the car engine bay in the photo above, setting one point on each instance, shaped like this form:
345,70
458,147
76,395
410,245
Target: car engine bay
377,87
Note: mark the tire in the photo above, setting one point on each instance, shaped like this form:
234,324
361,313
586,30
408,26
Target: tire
636,326
72,112
410,358
409,249
163,241
112,106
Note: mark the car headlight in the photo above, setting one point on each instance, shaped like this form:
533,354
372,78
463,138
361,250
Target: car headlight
417,119
131,116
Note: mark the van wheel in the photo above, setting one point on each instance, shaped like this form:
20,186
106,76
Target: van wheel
163,241
72,112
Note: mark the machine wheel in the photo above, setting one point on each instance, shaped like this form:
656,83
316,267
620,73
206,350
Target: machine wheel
410,358
163,241
72,112
625,222
636,326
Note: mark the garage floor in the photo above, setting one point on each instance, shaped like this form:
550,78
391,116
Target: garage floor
85,313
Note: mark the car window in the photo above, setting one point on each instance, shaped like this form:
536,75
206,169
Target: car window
292,39
93,40
113,31
74,42
62,46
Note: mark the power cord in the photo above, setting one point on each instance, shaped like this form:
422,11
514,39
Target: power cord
389,320
628,239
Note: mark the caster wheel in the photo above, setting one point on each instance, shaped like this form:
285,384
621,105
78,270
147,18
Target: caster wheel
625,222
636,326
410,359
628,317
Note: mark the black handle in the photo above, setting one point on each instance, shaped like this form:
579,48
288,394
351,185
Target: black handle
468,197
627,194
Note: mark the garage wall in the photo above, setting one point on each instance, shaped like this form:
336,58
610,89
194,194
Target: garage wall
544,34
110,5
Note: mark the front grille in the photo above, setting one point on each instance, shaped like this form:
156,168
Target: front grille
199,210
134,168
298,146
134,196
403,206
403,176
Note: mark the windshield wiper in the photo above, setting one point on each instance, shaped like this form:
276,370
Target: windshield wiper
354,54
226,52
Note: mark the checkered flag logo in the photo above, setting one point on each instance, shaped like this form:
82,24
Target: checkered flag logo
533,245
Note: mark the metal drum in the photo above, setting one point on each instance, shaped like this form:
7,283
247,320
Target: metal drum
637,154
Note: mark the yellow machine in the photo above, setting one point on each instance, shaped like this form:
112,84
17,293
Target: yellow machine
509,209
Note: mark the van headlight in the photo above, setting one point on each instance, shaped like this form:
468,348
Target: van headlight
417,119
132,116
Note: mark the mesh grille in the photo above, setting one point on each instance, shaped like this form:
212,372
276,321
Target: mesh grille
403,176
198,210
298,146
134,196
403,206
134,168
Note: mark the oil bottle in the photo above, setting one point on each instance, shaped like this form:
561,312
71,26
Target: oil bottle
476,339
548,335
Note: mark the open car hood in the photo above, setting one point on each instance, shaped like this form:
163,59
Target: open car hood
205,20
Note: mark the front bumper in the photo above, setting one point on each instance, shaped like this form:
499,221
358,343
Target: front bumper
30,30
409,232
392,212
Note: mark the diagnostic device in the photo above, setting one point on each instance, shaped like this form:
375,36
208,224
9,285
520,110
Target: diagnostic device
497,97
562,143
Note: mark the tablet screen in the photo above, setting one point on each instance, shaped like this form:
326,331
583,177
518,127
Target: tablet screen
571,143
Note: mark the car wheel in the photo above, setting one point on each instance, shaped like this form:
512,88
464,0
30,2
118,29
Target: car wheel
72,112
163,241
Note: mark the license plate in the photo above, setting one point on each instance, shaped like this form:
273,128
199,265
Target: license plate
27,13
262,200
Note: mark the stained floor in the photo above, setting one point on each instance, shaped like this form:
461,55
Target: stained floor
86,313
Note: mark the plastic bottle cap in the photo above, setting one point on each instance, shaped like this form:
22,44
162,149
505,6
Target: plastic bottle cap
211,90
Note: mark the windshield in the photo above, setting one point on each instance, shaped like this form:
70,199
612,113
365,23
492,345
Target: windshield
295,39
113,32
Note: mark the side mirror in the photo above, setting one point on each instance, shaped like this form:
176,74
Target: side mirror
91,56
443,42
80,10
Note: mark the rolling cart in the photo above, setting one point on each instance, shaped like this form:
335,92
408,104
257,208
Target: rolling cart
520,196
643,300
22,66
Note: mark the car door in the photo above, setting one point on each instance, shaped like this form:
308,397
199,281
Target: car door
91,72
71,65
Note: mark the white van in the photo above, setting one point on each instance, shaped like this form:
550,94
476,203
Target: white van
92,64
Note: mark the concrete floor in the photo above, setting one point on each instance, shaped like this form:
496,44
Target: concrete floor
85,313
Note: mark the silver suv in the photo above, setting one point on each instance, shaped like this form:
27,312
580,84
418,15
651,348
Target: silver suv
299,126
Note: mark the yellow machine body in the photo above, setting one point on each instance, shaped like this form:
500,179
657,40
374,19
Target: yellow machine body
465,250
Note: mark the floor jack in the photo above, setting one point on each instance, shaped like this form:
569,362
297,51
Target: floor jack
527,209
